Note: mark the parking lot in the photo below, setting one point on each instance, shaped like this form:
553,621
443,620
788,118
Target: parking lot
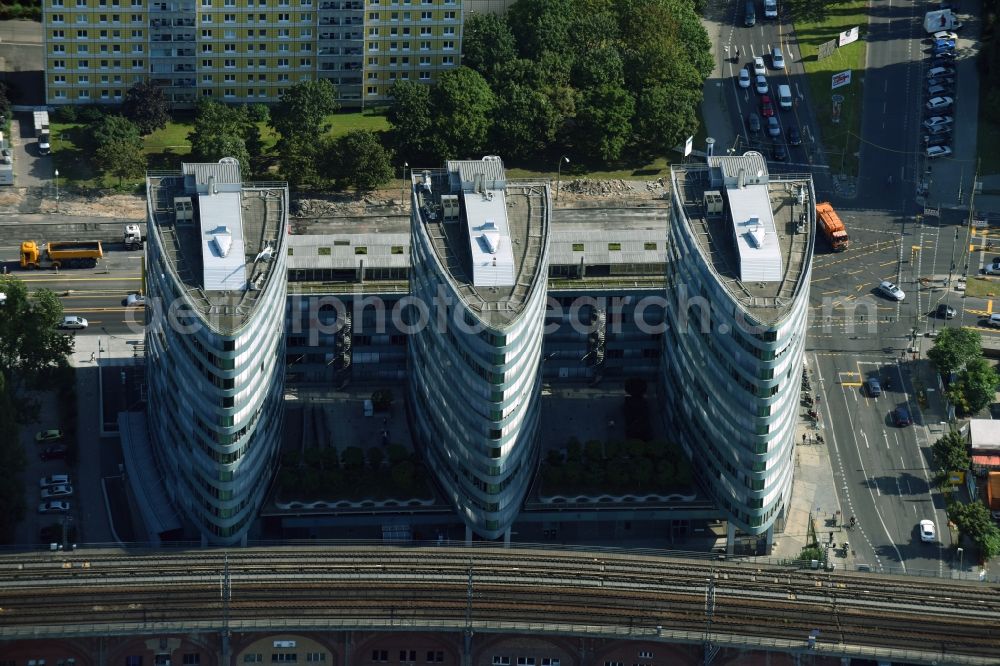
31,169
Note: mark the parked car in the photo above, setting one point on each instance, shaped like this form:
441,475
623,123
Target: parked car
761,85
48,436
901,417
935,72
777,59
927,532
753,123
744,78
993,321
794,136
938,103
53,452
938,151
941,81
937,121
773,128
874,387
943,59
891,291
939,91
57,491
766,106
992,269
946,34
944,44
758,66
945,311
942,139
779,152
54,480
73,322
54,506
938,130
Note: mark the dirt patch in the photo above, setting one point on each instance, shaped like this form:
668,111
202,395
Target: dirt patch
386,201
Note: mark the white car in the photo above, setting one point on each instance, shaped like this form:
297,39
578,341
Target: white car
135,301
744,78
777,59
938,121
54,506
73,321
762,84
758,66
927,532
891,290
938,151
63,490
945,34
936,103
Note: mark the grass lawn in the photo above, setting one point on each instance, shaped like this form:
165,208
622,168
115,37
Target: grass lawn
982,287
813,28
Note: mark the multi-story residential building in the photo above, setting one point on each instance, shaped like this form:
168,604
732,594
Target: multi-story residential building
740,245
215,341
478,286
242,50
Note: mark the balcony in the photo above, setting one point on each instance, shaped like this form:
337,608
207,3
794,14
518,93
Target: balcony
183,68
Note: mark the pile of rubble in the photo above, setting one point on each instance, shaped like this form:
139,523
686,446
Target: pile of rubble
585,187
379,201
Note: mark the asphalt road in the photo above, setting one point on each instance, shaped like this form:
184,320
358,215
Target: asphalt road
882,471
759,40
93,293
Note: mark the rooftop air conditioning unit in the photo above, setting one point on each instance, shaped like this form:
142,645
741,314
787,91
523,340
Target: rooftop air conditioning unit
713,202
449,202
184,209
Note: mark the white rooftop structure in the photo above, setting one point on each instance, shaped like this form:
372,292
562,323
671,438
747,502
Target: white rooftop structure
984,434
489,232
756,236
223,252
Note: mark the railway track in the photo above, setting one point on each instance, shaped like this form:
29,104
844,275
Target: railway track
396,586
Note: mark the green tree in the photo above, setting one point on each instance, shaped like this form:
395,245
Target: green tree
603,122
225,131
951,453
973,520
29,340
353,458
303,109
463,104
542,25
359,160
487,43
976,386
299,161
12,461
118,148
409,113
375,457
953,348
146,106
664,118
530,121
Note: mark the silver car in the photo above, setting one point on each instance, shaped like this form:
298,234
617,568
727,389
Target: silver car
891,291
73,322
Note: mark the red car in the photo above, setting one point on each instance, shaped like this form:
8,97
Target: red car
766,107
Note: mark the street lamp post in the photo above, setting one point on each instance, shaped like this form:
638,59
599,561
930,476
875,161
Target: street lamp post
961,557
402,191
559,173
57,185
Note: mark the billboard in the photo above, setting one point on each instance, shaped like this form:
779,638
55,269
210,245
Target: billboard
688,146
848,36
840,79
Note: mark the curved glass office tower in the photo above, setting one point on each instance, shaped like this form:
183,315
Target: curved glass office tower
215,342
478,294
740,247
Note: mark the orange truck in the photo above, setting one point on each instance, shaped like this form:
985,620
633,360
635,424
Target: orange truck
832,227
62,254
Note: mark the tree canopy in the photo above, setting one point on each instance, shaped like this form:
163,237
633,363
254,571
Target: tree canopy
953,348
973,519
951,453
604,79
225,131
975,387
359,160
29,339
146,106
300,120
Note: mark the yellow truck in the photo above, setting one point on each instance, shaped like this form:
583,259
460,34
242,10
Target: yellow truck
61,254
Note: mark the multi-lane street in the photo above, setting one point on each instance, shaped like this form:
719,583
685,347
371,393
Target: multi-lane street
97,294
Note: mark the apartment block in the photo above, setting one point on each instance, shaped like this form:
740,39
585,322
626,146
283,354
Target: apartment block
244,51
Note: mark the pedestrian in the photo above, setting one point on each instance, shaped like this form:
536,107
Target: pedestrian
803,438
92,356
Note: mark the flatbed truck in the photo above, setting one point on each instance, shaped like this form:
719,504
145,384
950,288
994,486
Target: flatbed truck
61,254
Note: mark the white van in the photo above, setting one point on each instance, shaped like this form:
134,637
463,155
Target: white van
784,96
